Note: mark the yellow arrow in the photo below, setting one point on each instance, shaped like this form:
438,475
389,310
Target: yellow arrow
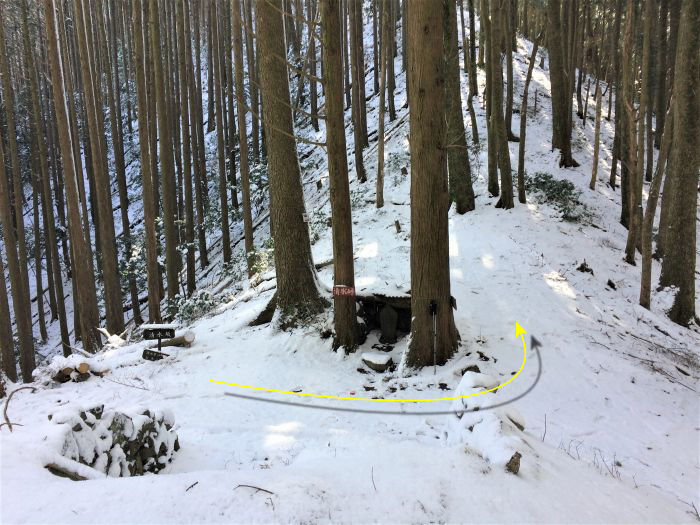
519,330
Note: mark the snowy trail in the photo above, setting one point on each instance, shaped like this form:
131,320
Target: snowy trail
611,431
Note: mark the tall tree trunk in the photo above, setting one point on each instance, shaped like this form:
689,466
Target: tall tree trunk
596,136
243,142
491,142
523,120
38,279
108,246
209,24
430,263
561,90
49,218
297,292
197,133
16,190
357,77
85,298
20,293
180,8
661,62
390,72
648,224
118,152
678,267
220,147
344,315
496,119
508,18
636,178
253,80
166,154
459,170
147,176
385,57
7,343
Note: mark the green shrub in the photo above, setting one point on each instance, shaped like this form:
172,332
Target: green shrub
561,194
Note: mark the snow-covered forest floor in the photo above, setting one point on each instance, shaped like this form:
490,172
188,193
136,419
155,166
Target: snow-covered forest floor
611,408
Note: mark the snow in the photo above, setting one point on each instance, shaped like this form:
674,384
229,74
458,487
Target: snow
610,400
375,358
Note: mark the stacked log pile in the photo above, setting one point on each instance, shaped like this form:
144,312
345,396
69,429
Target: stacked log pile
81,372
113,443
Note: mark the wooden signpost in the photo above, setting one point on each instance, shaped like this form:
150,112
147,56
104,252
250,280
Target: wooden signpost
152,332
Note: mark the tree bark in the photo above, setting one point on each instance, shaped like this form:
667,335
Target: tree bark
147,177
678,267
297,292
95,117
430,265
85,298
7,344
243,142
385,28
459,170
648,224
344,315
523,121
561,91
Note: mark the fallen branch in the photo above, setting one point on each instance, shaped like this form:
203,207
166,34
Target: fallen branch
254,487
126,384
7,402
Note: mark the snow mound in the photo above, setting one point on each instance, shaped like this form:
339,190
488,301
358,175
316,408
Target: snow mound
91,443
489,433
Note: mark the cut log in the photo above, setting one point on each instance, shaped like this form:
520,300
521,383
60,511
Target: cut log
185,340
63,472
83,368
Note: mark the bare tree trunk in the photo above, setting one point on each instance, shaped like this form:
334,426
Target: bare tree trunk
93,110
430,264
147,177
118,151
54,268
561,91
15,191
508,18
385,51
459,170
166,155
628,77
297,292
20,294
253,80
660,102
85,298
345,319
596,136
648,224
523,121
678,267
500,135
243,142
487,28
220,148
7,344
180,8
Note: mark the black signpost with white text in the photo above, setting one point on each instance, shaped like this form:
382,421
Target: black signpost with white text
151,332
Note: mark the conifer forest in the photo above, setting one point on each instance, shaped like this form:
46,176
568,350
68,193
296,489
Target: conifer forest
349,261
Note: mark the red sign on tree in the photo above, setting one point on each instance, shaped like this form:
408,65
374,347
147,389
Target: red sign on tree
342,290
